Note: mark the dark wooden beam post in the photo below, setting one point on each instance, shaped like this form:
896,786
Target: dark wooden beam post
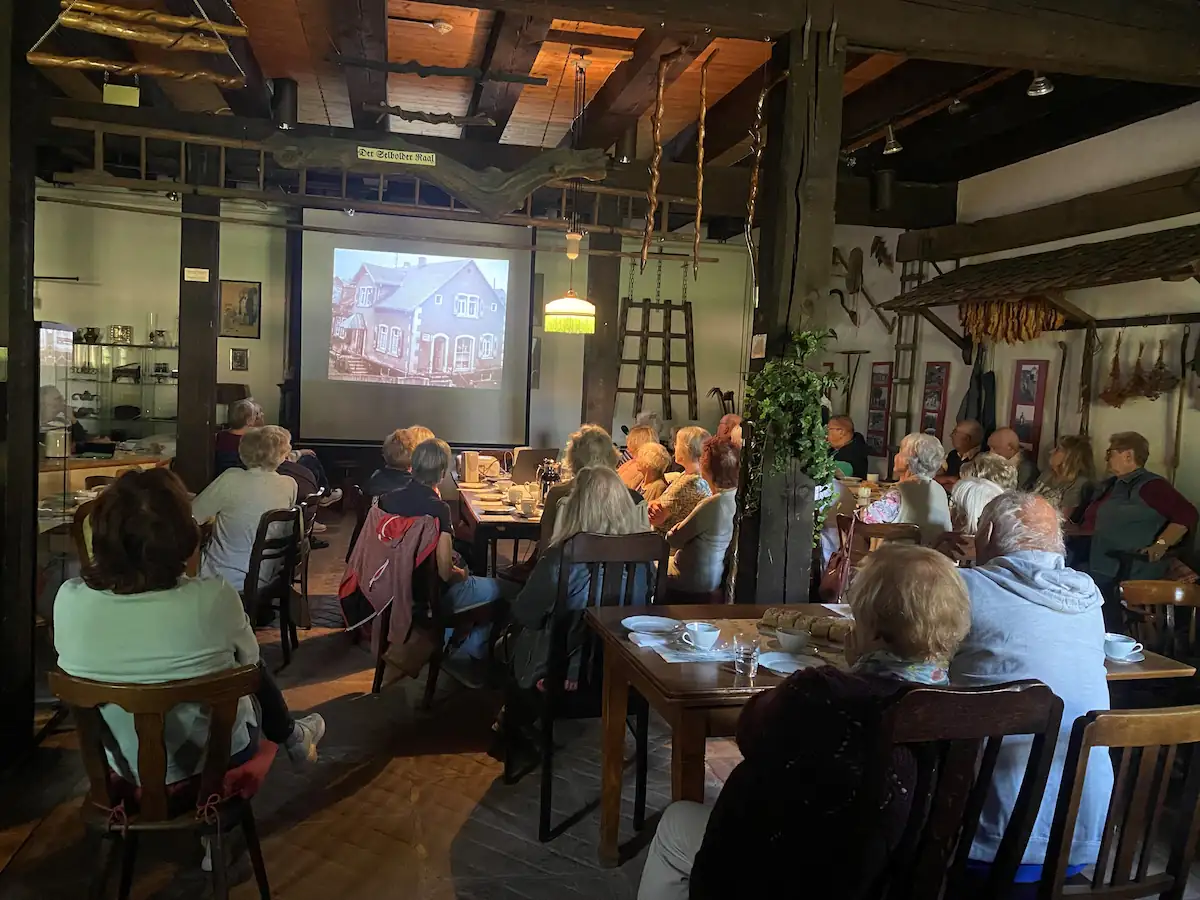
293,287
199,290
18,390
796,227
513,46
360,30
602,350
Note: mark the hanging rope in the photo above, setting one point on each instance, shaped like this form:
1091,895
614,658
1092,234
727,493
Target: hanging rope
700,163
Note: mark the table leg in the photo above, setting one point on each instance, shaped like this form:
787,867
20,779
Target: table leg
687,755
616,701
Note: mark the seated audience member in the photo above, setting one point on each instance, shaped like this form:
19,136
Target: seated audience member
805,746
991,467
243,415
730,426
966,440
54,414
590,446
238,498
1032,617
135,618
1071,475
631,471
689,488
699,542
1134,511
464,591
916,498
1005,442
968,499
848,445
654,460
598,503
397,461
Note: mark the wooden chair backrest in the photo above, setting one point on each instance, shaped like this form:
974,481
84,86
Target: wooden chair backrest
1149,741
82,549
149,705
955,735
864,538
1152,606
308,510
614,562
269,547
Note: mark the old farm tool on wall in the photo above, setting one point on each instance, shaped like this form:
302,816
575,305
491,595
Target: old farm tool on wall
664,64
855,284
850,311
1183,385
700,162
1062,370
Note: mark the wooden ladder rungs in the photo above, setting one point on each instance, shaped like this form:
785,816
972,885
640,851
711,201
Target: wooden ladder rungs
653,362
657,392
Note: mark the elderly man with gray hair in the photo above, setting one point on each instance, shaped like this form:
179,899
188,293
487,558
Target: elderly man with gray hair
916,499
1032,617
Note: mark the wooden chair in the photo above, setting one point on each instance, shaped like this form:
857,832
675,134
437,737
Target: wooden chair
1150,740
1153,608
955,735
309,507
91,482
429,612
611,561
282,550
122,812
79,537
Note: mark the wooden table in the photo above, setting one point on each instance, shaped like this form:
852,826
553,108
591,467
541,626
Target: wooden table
702,700
489,529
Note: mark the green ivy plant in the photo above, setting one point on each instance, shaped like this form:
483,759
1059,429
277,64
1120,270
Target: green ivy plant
783,401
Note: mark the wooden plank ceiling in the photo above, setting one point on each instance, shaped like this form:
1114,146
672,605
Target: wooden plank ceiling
993,124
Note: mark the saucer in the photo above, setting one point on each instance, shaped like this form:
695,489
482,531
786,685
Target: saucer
651,624
1131,658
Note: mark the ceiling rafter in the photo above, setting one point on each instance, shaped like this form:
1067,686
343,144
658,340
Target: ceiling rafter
360,31
254,100
513,46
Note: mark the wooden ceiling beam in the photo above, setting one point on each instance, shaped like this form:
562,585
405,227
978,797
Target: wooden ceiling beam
1152,40
629,92
513,46
360,31
590,40
254,100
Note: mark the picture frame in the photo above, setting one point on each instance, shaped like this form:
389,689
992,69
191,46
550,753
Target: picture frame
239,359
240,309
879,406
1028,402
933,398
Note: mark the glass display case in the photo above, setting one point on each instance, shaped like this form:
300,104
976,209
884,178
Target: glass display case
124,392
57,427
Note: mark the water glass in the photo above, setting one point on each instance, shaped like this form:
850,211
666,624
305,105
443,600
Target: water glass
745,654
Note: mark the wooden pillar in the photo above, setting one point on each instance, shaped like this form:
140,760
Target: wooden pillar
293,281
601,351
796,239
18,389
199,290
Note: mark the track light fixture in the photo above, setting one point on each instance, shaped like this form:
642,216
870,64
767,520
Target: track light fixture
891,145
1040,86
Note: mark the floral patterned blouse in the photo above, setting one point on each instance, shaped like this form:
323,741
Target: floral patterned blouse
680,499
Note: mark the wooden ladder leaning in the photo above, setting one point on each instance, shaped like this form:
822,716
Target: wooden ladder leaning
906,393
645,332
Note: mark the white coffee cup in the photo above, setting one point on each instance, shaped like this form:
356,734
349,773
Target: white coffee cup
792,640
864,493
528,506
1120,646
700,635
515,495
873,478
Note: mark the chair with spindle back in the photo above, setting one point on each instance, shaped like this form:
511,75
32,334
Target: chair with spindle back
955,736
1150,741
1154,608
431,613
278,549
615,564
309,507
122,812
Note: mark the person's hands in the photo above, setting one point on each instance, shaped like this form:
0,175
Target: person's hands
657,512
1155,551
458,575
308,452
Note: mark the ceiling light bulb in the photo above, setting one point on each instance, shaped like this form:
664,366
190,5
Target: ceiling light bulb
441,26
891,145
1040,86
573,239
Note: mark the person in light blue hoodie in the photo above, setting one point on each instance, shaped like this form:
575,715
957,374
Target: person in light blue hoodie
1032,617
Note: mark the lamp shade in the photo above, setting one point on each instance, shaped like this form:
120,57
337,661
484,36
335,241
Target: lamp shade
570,314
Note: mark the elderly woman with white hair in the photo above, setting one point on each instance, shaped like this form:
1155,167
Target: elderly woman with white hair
686,491
916,499
237,499
967,501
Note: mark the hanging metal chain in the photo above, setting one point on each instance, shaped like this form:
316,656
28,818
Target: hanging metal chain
228,51
658,281
632,266
53,27
685,282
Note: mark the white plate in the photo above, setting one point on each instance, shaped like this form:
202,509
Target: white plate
473,485
784,663
651,624
1131,658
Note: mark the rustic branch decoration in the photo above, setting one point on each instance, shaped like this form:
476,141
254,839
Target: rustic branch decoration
144,34
491,192
130,69
412,115
664,63
412,67
154,17
700,162
757,144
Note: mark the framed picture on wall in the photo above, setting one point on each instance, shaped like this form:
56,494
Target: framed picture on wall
239,359
878,408
1028,401
241,309
933,398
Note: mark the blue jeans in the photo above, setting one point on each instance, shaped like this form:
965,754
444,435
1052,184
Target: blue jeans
471,594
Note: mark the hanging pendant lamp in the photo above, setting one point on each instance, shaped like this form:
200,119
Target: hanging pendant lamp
570,314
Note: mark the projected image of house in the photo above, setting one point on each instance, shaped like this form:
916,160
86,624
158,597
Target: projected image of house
418,320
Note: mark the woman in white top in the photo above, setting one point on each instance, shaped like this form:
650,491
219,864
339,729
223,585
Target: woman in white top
701,540
134,618
238,498
689,488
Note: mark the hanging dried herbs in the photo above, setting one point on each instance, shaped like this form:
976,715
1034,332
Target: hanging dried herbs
1161,379
1138,382
1114,391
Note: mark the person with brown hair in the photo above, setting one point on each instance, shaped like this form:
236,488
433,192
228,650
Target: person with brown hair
630,471
1071,474
689,488
700,541
135,618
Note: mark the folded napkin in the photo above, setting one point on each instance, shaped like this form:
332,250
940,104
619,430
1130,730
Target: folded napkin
666,646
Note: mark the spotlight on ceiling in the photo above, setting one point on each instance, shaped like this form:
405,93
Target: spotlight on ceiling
441,26
958,106
891,145
1040,86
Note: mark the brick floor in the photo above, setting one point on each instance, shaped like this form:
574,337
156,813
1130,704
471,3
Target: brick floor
402,804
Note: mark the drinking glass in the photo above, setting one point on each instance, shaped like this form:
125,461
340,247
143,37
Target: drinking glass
745,654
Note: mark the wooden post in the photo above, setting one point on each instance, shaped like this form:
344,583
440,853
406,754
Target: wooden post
18,393
796,240
601,351
293,286
199,290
